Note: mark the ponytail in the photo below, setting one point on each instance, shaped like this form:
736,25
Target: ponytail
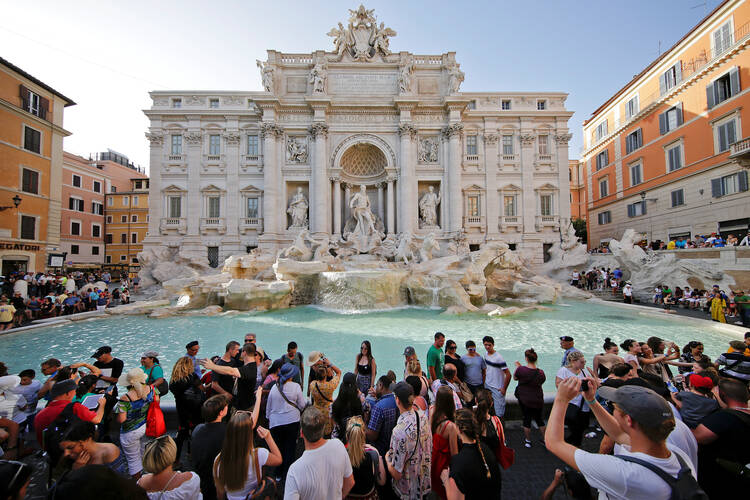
467,424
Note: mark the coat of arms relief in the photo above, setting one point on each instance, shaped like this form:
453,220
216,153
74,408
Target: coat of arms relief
362,39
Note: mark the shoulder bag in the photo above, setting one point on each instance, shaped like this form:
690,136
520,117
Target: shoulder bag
505,455
267,487
163,388
155,425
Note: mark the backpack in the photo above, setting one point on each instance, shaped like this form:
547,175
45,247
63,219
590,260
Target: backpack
52,435
684,486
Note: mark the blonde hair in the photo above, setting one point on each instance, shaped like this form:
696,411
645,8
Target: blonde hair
182,369
160,454
135,378
355,437
572,357
414,367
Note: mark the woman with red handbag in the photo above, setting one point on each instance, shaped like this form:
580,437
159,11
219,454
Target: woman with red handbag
132,410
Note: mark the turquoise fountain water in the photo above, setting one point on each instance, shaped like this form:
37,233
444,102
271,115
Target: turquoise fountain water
339,335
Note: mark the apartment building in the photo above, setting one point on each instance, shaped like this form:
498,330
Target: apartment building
31,164
665,155
126,223
82,219
576,176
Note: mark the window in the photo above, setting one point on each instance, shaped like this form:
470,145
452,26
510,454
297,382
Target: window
97,208
725,135
176,144
471,144
76,180
138,184
96,230
541,105
134,238
213,256
670,78
604,217
123,219
75,228
32,140
546,204
123,258
34,103
722,38
97,187
74,249
123,238
670,119
472,105
125,201
135,201
134,260
108,259
637,209
30,181
510,203
108,238
109,219
601,130
636,174
133,218
674,158
94,250
729,184
632,107
602,159
678,197
75,204
543,141
633,141
252,145
603,188
507,144
176,103
110,201
28,227
213,206
213,103
113,189
724,87
214,144
252,208
473,206
505,105
175,203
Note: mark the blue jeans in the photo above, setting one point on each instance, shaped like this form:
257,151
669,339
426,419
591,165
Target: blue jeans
499,400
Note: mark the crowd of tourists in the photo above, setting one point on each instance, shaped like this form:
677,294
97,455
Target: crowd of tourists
253,425
26,297
713,240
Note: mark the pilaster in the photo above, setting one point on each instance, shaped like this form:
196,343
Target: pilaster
490,171
320,185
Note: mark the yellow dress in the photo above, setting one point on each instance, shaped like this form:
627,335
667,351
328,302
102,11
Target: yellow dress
717,309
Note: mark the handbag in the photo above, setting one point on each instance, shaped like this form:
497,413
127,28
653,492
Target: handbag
267,487
155,425
505,455
465,394
163,388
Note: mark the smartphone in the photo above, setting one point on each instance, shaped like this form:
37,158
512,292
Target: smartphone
584,385
110,389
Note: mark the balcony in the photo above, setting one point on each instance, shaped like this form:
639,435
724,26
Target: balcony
547,221
175,224
251,224
213,224
510,158
474,221
510,221
213,162
544,158
471,158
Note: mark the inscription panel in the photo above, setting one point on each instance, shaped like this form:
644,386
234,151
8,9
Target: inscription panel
362,83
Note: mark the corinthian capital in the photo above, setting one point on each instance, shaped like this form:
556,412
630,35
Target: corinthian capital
563,139
193,137
490,139
318,129
457,129
407,128
271,129
155,138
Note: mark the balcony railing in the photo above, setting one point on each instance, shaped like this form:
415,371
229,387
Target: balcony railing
472,158
543,221
173,221
740,148
173,224
212,221
544,157
251,221
253,158
509,157
474,221
213,159
172,157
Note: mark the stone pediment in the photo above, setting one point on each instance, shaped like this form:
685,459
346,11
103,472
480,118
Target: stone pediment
174,189
250,189
211,187
473,187
510,187
546,187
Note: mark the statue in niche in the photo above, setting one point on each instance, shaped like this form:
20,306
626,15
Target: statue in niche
404,77
428,208
456,78
360,207
296,150
428,150
266,75
298,210
318,77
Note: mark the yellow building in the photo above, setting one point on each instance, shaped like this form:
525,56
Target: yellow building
31,161
126,223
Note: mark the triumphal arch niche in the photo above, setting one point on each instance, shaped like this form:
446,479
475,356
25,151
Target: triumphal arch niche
357,143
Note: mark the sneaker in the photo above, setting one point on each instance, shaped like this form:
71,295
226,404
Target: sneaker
527,443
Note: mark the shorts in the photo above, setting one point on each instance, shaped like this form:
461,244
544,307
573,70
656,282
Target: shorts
3,323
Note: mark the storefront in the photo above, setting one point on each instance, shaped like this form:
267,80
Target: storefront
21,257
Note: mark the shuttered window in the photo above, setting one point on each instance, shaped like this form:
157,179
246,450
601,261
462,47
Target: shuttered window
601,130
30,181
637,209
678,197
633,141
729,184
603,188
28,227
670,119
674,158
636,174
722,38
604,217
727,135
632,107
670,78
32,140
602,159
33,103
723,88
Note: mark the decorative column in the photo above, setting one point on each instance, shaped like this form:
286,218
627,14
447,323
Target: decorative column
231,211
391,206
453,133
490,170
336,206
407,182
271,194
194,207
320,185
347,196
155,197
563,181
380,199
529,201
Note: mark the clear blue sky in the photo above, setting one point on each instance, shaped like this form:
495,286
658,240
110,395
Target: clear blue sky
106,55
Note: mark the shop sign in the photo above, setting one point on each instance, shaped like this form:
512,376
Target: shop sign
5,245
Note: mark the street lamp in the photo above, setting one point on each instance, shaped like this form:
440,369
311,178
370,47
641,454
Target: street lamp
16,202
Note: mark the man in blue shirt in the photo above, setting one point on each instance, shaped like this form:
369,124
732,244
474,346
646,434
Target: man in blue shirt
383,417
566,343
192,351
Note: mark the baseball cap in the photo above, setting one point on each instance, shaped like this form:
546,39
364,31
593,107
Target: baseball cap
150,354
643,405
403,391
62,387
566,338
409,351
105,349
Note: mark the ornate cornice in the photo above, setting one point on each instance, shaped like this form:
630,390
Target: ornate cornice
155,138
407,128
193,137
318,129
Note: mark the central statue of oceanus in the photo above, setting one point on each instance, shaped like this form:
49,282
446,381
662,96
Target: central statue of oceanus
365,235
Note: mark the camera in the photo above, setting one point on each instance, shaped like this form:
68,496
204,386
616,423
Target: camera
584,385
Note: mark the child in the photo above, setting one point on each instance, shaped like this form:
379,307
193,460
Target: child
698,400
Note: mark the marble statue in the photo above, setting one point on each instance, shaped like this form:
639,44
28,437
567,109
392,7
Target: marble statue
429,245
342,39
318,77
566,256
362,213
456,78
298,210
405,248
299,250
428,208
404,77
428,150
296,150
266,75
362,39
380,42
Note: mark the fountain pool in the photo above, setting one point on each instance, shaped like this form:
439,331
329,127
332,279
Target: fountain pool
339,335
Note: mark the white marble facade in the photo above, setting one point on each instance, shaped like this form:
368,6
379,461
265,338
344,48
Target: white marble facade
227,166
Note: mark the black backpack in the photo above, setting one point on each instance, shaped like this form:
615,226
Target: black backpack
52,435
684,486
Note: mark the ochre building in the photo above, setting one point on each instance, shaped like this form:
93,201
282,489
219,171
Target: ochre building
126,225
